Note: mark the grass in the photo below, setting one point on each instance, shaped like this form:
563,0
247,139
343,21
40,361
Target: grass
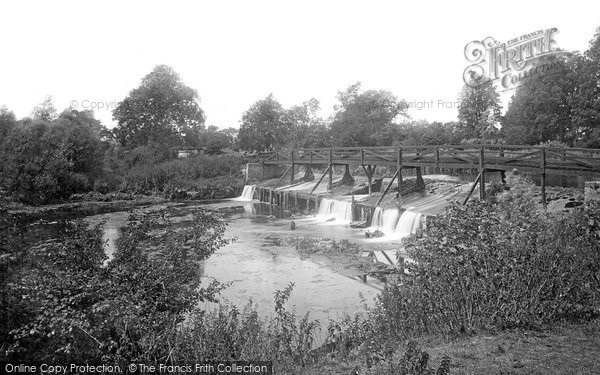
562,349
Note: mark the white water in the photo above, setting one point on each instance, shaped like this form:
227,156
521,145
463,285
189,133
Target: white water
394,228
409,223
340,211
385,220
247,194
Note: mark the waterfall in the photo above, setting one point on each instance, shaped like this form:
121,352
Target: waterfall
377,219
341,211
325,207
408,223
385,219
248,193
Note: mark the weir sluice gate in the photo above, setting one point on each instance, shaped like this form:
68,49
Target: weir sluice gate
342,203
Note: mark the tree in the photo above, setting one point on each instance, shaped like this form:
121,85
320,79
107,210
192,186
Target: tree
262,126
79,134
7,122
163,110
584,100
540,110
303,121
479,110
368,118
43,161
232,137
45,111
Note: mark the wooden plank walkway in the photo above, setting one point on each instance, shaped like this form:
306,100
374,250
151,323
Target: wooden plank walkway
540,160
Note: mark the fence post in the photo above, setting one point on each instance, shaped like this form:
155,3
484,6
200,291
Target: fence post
543,181
482,173
293,165
329,186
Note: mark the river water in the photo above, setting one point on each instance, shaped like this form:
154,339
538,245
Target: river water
258,263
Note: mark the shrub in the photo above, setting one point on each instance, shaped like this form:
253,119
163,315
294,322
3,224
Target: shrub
199,177
495,266
67,305
227,333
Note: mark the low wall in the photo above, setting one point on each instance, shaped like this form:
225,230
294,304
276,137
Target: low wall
256,172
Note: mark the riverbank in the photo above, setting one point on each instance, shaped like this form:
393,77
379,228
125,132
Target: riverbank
83,207
566,348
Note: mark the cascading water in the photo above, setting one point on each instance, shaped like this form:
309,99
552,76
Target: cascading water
341,211
385,219
325,207
377,219
408,223
247,193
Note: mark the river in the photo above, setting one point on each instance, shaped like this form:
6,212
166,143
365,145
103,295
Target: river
258,262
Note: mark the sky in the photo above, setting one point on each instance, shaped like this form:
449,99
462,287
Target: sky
91,54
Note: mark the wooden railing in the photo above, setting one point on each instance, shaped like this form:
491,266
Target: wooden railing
545,160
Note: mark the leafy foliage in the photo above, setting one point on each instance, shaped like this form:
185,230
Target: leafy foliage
227,333
162,110
496,266
368,118
479,111
78,309
262,125
203,177
266,125
539,111
559,105
47,161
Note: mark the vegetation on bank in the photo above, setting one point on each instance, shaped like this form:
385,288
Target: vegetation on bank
45,163
52,156
484,268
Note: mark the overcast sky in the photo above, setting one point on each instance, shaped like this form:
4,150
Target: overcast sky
236,52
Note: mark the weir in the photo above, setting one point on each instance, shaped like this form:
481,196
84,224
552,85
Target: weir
393,221
248,193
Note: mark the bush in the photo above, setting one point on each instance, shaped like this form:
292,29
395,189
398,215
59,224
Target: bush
67,305
227,333
199,177
495,266
42,162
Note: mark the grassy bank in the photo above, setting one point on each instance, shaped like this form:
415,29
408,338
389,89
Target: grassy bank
565,348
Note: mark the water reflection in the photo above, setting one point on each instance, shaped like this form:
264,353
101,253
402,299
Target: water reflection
261,261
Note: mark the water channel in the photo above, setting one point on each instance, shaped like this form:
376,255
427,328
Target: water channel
259,262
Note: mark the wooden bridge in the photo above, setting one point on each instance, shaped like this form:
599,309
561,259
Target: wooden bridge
484,158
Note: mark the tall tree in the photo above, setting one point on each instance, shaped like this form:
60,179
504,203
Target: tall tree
479,110
162,110
7,122
585,97
232,137
42,161
45,111
368,118
540,110
302,122
263,127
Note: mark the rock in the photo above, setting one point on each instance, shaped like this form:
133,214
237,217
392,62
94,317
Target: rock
573,204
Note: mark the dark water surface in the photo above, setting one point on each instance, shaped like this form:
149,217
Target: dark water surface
258,263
